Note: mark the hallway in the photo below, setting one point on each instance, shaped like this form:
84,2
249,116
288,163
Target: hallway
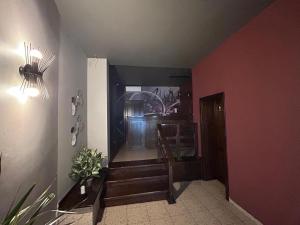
140,112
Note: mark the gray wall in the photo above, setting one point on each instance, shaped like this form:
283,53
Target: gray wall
72,76
35,136
28,133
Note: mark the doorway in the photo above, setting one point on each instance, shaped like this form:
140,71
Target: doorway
213,139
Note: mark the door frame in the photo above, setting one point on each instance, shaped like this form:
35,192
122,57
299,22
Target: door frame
202,130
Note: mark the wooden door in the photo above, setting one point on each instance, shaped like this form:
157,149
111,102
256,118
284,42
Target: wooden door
213,138
135,123
219,139
135,132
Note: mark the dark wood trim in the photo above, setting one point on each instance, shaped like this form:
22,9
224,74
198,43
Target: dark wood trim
204,163
136,185
196,143
136,198
134,163
167,155
226,155
187,170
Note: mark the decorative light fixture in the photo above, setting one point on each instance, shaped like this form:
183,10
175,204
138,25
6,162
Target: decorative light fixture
36,63
76,101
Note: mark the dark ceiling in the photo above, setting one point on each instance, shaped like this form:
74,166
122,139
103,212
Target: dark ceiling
150,76
163,33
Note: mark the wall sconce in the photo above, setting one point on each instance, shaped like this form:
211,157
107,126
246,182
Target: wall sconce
36,63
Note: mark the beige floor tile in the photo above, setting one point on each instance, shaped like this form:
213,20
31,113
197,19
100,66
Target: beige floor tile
157,211
140,223
237,212
225,216
194,205
185,196
137,215
240,223
183,220
205,217
157,203
213,189
214,221
115,220
200,193
249,221
139,205
196,182
176,209
214,203
163,221
79,219
115,211
243,217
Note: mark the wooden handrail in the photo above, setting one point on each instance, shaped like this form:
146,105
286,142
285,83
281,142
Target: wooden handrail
167,153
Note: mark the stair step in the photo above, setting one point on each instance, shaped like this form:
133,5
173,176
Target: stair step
136,185
134,163
120,173
135,198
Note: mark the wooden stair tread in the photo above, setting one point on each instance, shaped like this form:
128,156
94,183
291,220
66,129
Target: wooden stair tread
164,176
135,198
134,163
136,185
137,171
136,181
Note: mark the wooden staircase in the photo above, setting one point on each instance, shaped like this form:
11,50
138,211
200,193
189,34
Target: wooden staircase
135,182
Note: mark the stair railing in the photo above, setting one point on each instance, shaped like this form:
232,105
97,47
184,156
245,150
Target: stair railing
167,155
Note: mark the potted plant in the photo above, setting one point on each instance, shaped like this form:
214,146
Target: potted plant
87,164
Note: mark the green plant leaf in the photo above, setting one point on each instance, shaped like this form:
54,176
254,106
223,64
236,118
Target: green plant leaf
86,163
43,204
12,202
14,212
44,199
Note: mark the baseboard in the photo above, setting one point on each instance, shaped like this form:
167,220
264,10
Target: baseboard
256,221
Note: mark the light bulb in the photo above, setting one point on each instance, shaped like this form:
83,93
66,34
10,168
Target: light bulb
32,92
16,92
36,53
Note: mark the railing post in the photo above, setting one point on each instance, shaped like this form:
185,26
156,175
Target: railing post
171,199
165,149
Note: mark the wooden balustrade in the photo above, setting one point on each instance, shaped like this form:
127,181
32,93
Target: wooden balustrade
166,154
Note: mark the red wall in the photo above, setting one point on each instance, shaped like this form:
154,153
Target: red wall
258,69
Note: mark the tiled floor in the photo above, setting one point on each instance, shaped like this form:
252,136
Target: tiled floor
200,203
135,153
